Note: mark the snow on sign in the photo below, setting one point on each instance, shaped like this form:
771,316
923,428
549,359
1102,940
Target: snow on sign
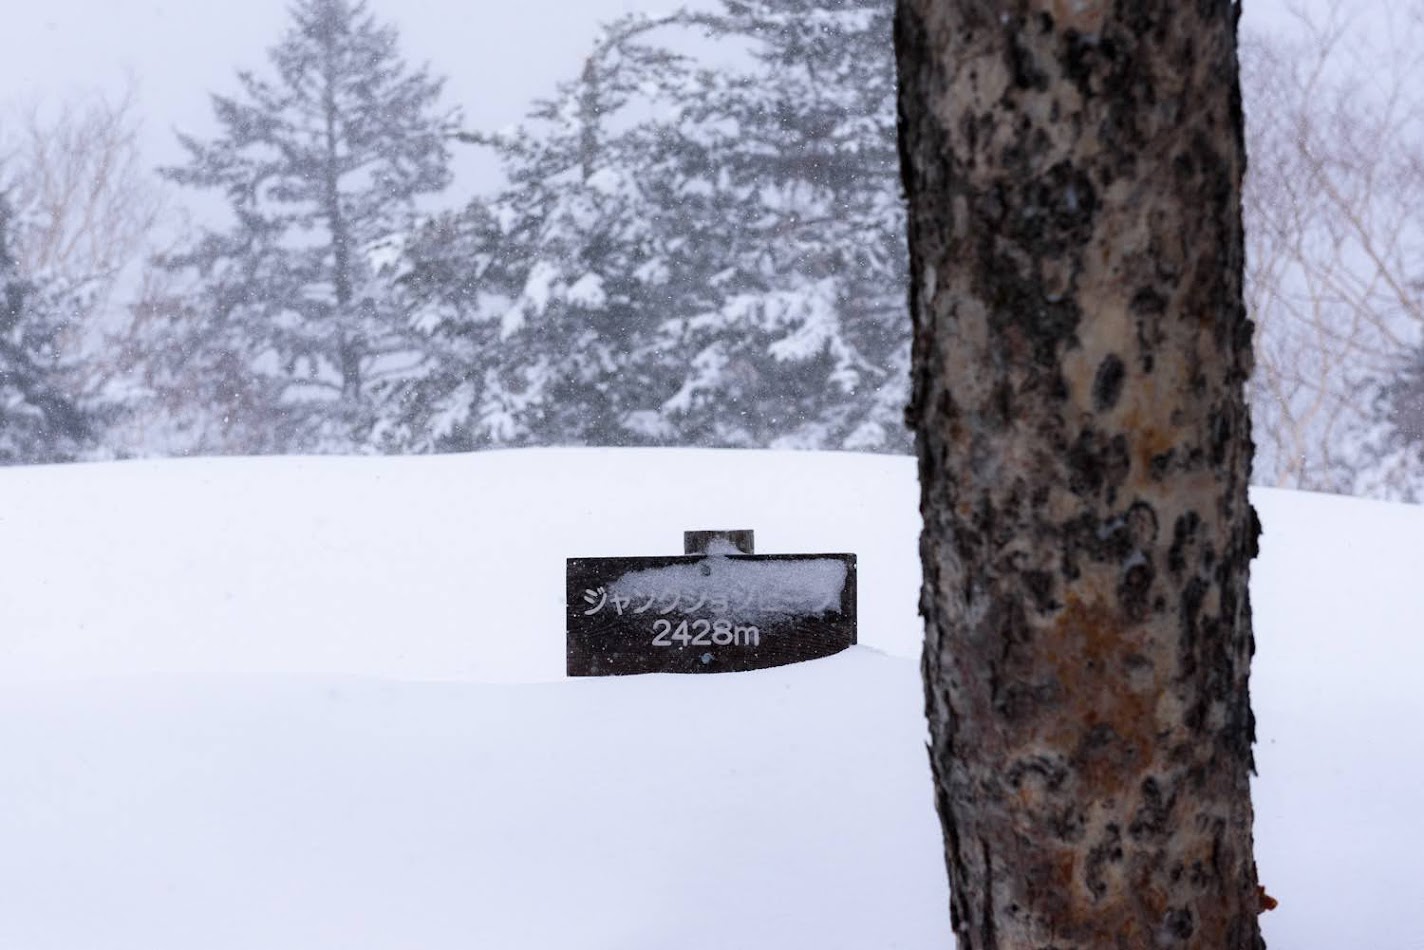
719,608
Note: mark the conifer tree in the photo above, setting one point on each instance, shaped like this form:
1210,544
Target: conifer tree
687,253
548,306
320,165
807,344
1394,447
41,420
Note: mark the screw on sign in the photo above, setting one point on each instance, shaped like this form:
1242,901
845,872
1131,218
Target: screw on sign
718,608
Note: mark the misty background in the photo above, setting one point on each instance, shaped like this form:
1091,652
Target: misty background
603,223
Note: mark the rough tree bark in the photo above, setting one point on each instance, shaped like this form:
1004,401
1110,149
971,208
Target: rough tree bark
1073,170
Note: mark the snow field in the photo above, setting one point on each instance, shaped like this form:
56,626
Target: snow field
443,568
318,703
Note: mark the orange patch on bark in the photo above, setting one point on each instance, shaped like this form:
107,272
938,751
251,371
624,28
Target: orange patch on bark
1151,897
1148,444
1146,439
1085,16
1091,642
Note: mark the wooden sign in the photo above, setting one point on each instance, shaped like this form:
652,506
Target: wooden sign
707,613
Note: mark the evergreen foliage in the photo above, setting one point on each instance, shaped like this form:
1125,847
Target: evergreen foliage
41,419
1394,448
546,305
807,341
296,327
687,252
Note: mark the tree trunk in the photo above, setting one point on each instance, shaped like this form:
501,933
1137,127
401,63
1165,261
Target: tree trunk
1073,170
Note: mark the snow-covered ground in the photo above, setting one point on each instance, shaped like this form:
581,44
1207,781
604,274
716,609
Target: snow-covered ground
300,704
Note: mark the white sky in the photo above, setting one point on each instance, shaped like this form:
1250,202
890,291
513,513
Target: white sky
497,56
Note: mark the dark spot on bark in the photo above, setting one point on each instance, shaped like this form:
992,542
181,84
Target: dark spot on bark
1197,875
1107,851
1147,302
969,130
1068,824
1017,701
1193,597
1078,58
1104,542
1181,754
1085,470
1118,461
1134,588
1184,165
1022,311
1159,465
1221,432
1153,815
1136,663
1142,524
1023,68
1178,924
1048,771
989,205
1184,535
1164,267
1195,459
1107,384
1125,86
1058,388
1095,462
988,922
1140,21
1009,621
1001,406
1039,585
1098,738
1059,207
1197,382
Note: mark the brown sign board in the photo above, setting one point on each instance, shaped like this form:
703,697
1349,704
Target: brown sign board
707,613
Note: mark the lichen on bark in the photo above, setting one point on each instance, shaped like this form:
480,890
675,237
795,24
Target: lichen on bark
1073,172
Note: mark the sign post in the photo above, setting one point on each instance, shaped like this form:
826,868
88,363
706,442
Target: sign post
717,609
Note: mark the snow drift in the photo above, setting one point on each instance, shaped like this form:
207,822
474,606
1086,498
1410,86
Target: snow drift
319,703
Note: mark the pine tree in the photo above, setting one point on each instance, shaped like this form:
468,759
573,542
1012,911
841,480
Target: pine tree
687,255
607,268
1393,447
807,344
457,271
41,420
550,303
321,167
